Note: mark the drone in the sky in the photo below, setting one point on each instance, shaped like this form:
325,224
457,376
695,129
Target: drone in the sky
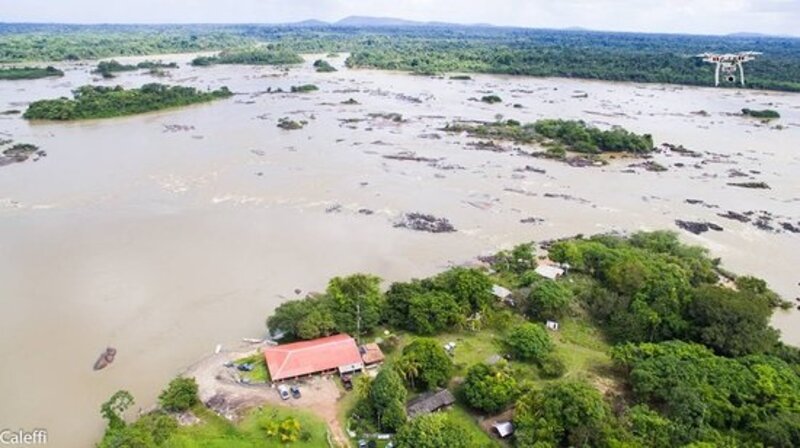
728,63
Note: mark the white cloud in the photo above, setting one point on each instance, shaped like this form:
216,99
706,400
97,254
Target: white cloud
680,16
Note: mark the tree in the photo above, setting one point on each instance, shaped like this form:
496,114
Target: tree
732,323
425,365
548,300
388,396
472,288
309,318
436,430
356,302
650,428
158,425
561,414
528,342
490,388
180,395
432,312
113,409
520,259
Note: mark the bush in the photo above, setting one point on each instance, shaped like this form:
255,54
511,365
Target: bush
548,300
552,367
425,365
489,388
180,395
528,342
491,99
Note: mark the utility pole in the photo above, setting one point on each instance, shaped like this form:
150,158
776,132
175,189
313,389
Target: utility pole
358,323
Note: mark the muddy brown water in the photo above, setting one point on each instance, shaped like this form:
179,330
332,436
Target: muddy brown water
167,233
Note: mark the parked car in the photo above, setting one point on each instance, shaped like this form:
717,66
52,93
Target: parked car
283,391
362,443
245,367
347,381
295,391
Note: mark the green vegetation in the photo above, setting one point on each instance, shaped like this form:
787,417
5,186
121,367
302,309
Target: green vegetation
425,365
713,398
562,414
105,102
429,50
267,426
434,431
108,68
491,99
529,342
490,389
385,400
258,372
560,135
287,124
15,73
767,114
304,88
580,137
323,66
268,55
180,395
434,305
695,361
347,302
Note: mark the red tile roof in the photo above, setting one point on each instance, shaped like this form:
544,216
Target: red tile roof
309,357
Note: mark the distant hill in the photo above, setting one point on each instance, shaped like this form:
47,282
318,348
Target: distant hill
753,35
310,23
376,21
366,21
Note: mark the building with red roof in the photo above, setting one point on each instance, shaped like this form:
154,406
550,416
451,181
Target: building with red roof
324,355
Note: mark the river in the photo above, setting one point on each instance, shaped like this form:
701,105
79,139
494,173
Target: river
168,233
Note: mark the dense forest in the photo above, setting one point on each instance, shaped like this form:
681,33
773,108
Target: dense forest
268,55
432,49
13,73
104,102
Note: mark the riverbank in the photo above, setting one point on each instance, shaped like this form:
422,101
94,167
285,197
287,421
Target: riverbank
192,229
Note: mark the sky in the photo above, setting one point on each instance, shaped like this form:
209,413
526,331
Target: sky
672,16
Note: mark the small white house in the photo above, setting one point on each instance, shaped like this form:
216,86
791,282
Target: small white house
552,325
548,271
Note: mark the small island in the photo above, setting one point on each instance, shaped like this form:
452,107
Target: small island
765,114
559,136
254,56
107,68
323,66
105,102
16,73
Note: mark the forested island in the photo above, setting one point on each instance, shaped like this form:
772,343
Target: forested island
429,49
108,68
14,73
104,102
559,136
656,346
253,56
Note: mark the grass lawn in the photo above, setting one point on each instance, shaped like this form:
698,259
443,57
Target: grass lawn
217,432
470,424
259,374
